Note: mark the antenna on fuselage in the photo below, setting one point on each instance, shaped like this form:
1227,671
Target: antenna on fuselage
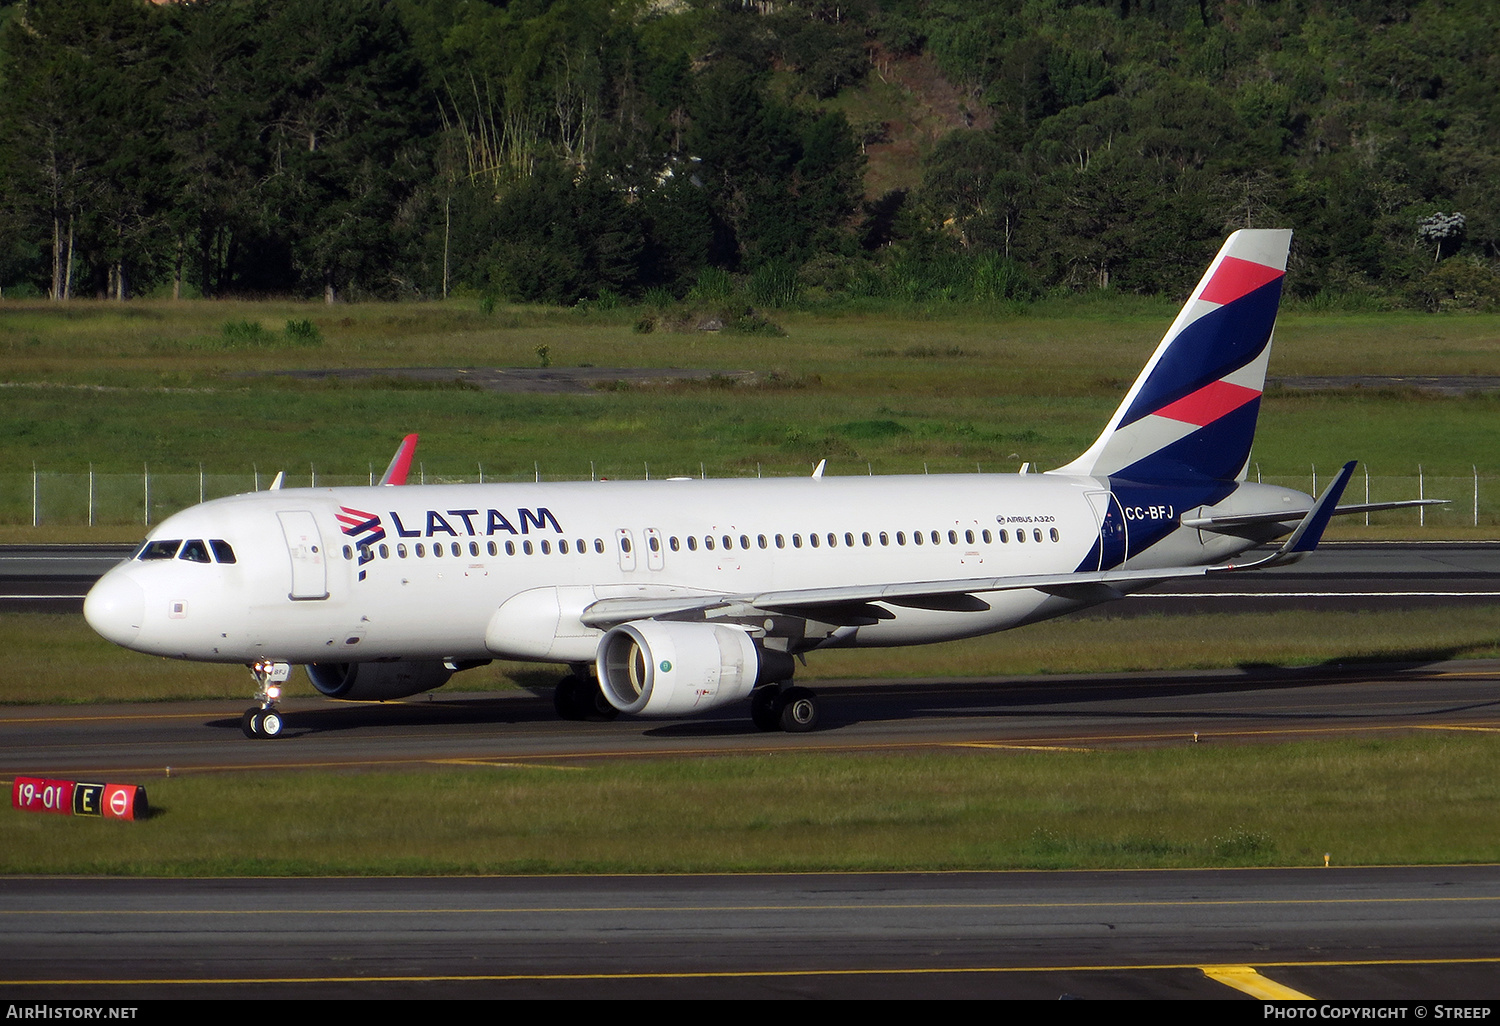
276,482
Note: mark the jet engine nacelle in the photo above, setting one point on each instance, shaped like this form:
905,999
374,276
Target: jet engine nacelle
377,682
662,668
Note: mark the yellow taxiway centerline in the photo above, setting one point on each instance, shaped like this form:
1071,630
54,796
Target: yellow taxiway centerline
1244,978
748,974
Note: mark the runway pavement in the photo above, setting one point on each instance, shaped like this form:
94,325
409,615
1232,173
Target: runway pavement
1389,934
1085,711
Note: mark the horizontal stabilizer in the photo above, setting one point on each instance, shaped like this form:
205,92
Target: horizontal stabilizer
1310,530
1231,521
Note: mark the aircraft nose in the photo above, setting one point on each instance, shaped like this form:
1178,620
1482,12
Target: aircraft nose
116,607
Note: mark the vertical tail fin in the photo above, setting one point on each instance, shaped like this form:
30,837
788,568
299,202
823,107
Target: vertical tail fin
1191,414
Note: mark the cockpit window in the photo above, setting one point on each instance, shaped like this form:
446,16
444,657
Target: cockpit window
161,549
194,551
222,550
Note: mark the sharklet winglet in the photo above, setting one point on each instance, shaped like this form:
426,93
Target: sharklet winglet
395,474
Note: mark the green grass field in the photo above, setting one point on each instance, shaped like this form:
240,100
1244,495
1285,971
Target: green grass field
162,383
1422,800
175,388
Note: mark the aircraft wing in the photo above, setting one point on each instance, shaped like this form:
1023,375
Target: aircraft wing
835,601
611,612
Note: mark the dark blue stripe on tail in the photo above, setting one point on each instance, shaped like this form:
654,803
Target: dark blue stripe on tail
1216,344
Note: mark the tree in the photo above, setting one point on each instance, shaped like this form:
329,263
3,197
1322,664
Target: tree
75,123
344,135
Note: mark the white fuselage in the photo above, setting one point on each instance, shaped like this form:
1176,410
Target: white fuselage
473,572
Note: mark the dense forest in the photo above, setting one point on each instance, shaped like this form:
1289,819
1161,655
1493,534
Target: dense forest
615,150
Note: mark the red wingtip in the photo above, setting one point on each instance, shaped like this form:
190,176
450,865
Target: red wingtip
395,474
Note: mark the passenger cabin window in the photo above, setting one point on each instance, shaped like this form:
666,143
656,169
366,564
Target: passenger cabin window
163,549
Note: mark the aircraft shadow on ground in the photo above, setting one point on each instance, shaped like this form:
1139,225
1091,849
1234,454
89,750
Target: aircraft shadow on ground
1068,696
507,710
1078,697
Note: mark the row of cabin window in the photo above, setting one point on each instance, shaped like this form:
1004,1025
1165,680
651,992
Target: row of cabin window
420,550
728,541
849,539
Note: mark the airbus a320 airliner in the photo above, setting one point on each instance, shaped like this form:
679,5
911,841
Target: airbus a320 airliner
668,598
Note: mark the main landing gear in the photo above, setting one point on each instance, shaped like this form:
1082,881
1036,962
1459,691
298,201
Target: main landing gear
792,709
579,697
265,720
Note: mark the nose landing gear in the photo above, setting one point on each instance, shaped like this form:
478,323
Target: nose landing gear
265,720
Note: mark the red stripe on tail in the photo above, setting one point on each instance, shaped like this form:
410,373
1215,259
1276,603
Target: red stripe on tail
1235,278
1209,403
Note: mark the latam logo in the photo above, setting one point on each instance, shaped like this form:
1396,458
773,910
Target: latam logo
364,529
471,523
